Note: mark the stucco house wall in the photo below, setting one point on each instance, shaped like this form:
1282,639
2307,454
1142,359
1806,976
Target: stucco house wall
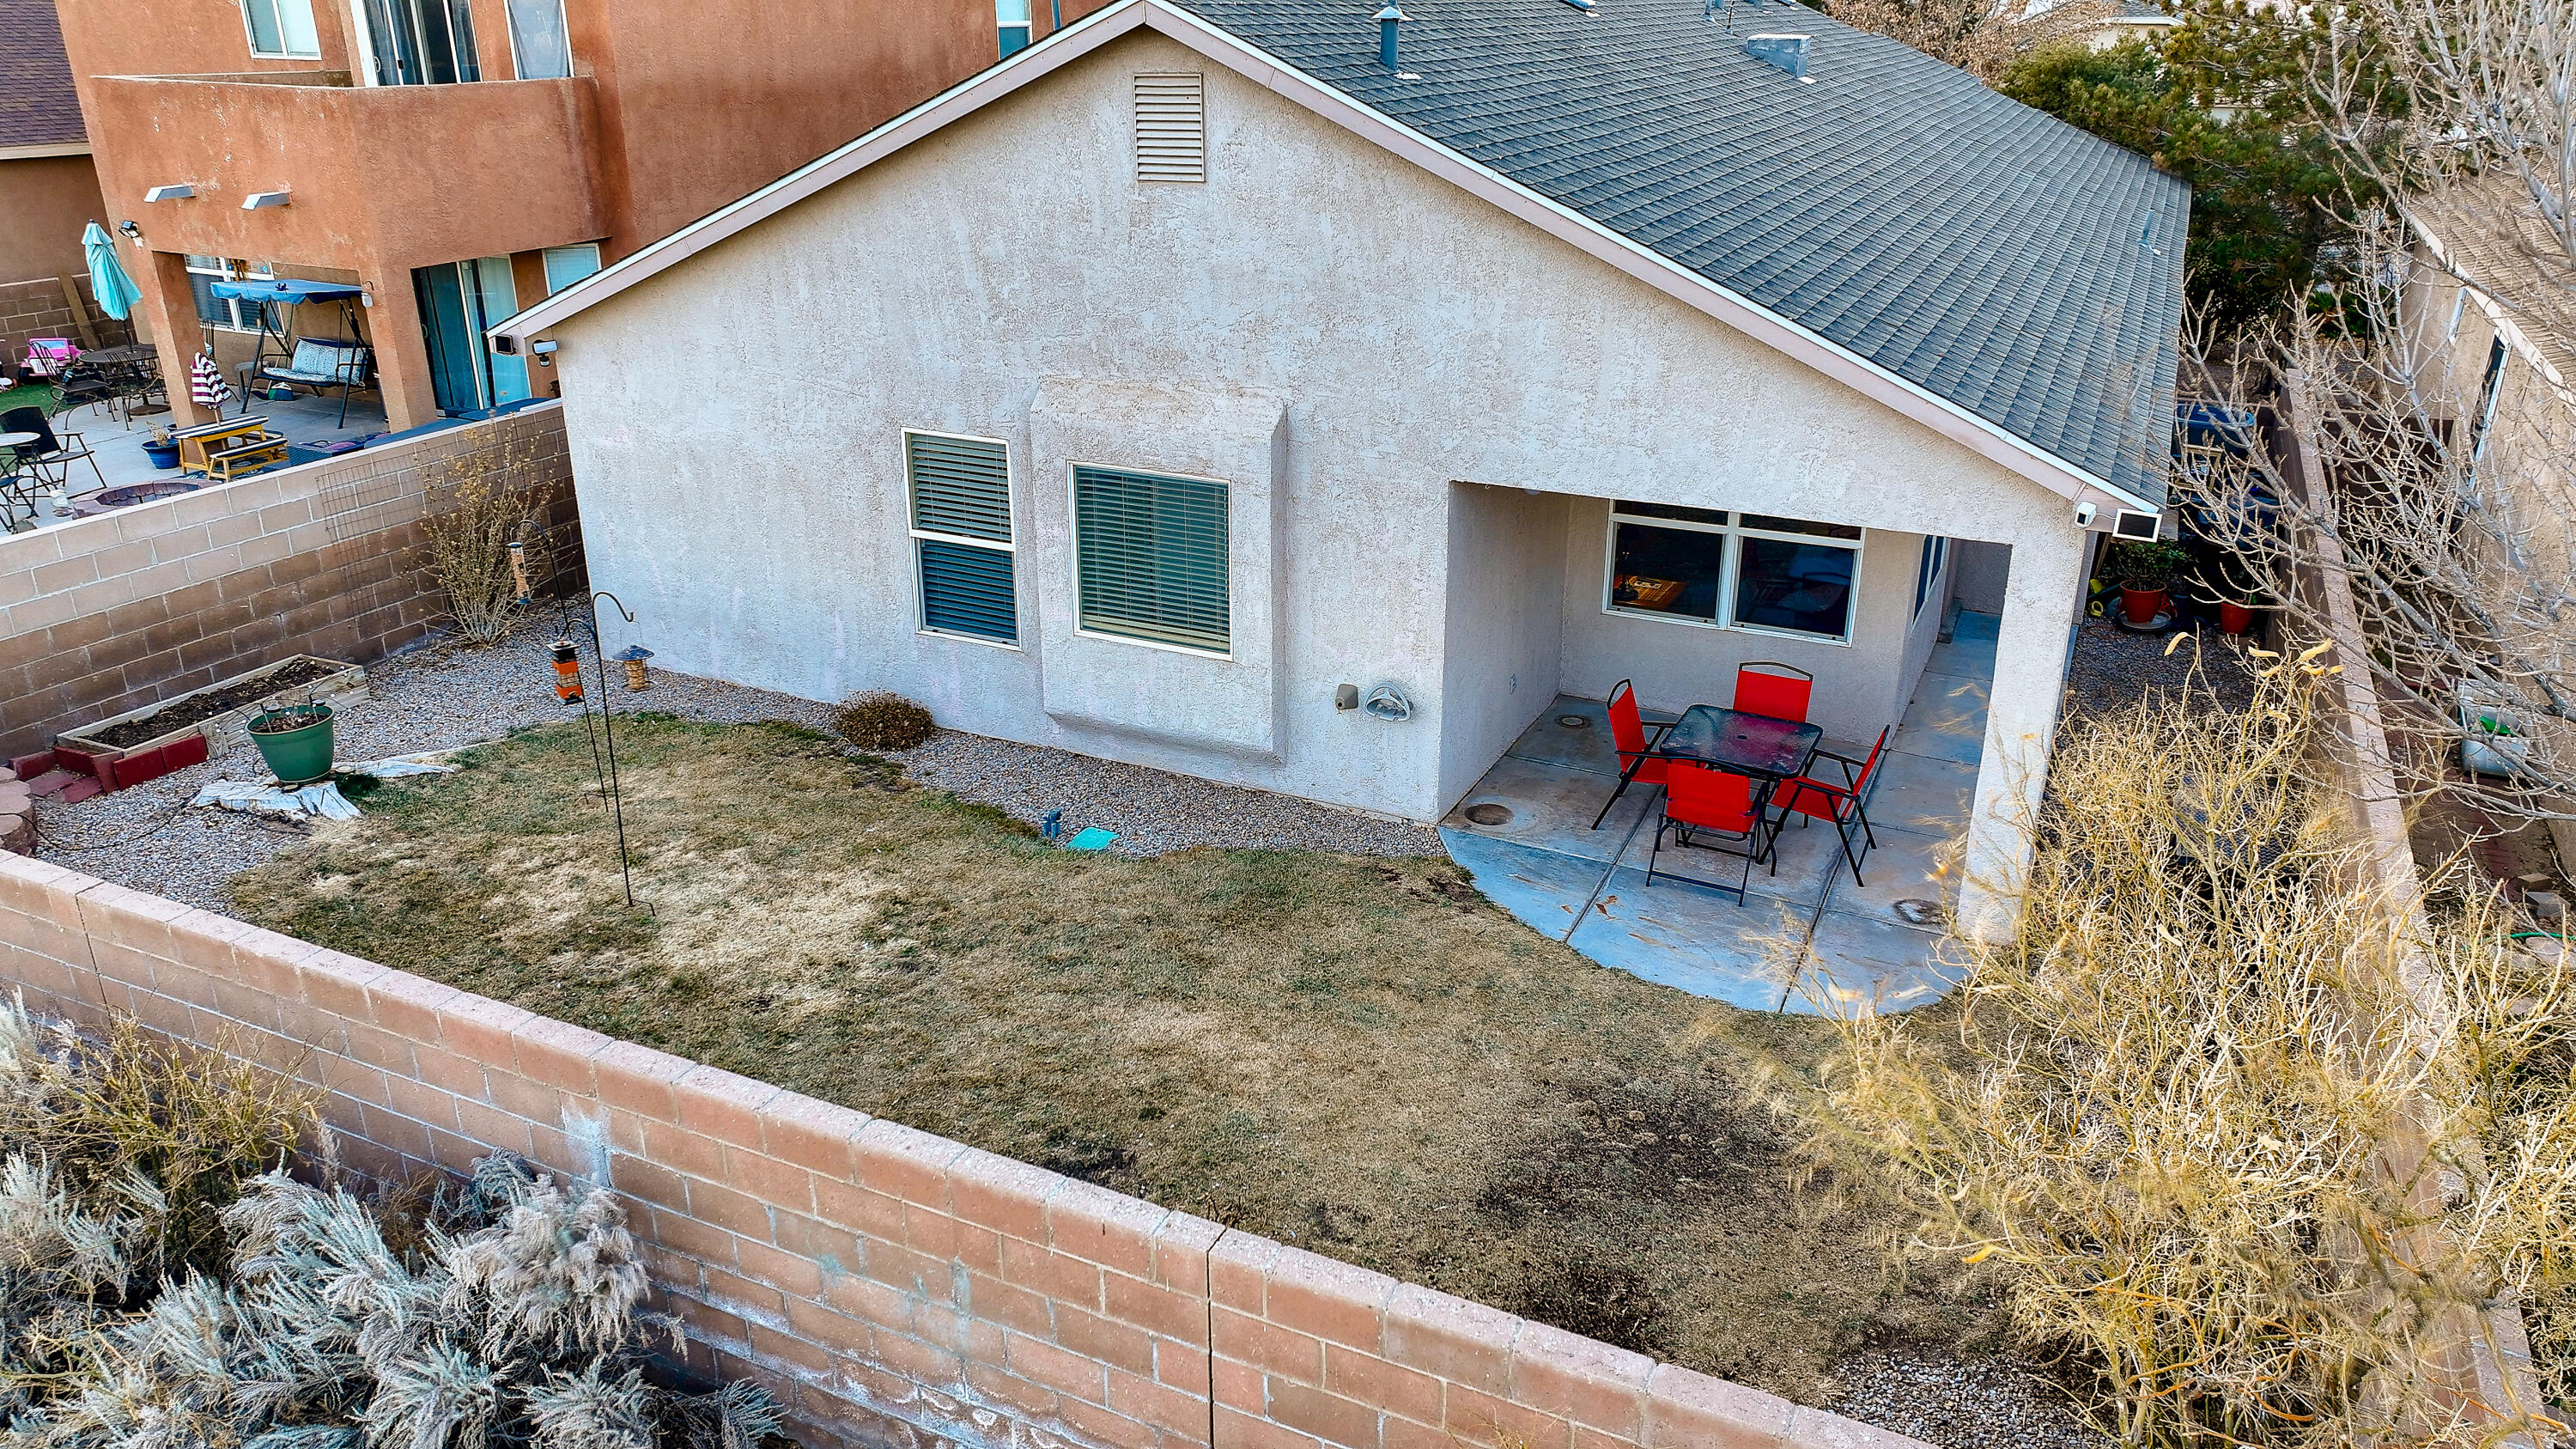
737,426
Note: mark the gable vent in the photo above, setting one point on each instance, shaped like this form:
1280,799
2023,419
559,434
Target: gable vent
1171,128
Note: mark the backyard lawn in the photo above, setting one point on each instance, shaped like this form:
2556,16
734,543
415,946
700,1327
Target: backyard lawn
1358,1055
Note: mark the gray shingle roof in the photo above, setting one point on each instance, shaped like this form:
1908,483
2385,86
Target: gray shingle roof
1967,243
37,104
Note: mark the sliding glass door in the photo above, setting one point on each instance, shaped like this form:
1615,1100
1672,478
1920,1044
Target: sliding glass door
458,300
421,42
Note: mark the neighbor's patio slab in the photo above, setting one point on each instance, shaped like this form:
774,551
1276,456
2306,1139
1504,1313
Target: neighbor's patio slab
1879,942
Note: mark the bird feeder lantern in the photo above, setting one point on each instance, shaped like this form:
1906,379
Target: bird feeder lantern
567,671
633,657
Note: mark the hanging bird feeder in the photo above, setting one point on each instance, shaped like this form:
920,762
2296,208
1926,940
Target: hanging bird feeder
633,657
567,671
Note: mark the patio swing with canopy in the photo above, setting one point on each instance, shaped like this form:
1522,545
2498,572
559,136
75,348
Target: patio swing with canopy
318,363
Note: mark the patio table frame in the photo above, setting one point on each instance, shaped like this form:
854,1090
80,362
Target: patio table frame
1680,741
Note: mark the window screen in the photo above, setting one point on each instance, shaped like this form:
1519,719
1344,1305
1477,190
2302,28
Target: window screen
961,523
1150,557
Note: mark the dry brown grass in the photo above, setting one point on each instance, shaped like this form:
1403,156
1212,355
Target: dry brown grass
1359,1056
2244,1134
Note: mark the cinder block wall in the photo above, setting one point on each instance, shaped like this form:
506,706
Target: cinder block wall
136,605
36,308
895,1288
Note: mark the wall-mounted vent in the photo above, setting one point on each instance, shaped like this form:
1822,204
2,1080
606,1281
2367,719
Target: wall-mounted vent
1171,128
1789,52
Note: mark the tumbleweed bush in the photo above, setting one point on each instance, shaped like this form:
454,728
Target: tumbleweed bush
512,1318
2243,1136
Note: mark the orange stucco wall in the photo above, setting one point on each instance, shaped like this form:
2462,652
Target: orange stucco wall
45,201
672,111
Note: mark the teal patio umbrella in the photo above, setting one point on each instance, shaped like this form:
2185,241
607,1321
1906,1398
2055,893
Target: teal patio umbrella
117,293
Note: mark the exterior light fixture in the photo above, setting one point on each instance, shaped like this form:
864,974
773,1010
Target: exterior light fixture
567,670
178,191
263,200
633,657
128,229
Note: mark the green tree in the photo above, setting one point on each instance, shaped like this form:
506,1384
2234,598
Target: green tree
2224,102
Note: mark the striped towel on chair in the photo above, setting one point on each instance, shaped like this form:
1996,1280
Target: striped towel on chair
206,385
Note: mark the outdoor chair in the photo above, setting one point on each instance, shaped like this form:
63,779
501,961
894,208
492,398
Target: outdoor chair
49,457
82,384
1840,805
1778,691
1700,801
1628,734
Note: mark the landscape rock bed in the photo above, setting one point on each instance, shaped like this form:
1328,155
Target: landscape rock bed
444,696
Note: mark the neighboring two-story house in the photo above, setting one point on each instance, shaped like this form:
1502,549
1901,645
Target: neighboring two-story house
461,159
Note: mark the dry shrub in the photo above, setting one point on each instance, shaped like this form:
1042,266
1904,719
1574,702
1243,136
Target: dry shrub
880,719
121,1108
479,504
2239,1133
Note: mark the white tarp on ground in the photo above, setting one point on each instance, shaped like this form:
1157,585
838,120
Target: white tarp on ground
269,797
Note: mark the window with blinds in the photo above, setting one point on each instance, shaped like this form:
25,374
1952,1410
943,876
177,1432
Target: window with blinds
1171,128
961,527
1150,558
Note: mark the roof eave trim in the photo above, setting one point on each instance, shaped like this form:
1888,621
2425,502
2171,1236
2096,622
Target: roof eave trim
42,150
1987,439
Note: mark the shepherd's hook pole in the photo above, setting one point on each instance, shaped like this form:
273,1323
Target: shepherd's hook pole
599,653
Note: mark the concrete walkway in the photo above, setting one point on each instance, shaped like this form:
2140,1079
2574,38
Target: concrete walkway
1848,943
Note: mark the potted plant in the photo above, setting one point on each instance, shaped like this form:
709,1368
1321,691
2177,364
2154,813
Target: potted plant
161,448
2240,593
295,740
2145,573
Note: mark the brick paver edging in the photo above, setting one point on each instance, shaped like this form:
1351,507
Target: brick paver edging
894,1287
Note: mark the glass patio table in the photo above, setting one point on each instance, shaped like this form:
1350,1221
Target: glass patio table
1748,744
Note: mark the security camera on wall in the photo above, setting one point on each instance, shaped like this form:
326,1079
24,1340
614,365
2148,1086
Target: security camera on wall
2084,515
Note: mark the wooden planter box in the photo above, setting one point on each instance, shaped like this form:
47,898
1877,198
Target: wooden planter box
117,767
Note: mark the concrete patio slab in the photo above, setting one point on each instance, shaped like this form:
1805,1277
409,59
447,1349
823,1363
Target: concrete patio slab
1874,943
1693,938
1907,883
1921,794
1543,889
1859,960
1970,650
1946,721
1552,808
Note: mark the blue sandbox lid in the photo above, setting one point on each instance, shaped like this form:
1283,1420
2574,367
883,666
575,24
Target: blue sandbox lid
1091,838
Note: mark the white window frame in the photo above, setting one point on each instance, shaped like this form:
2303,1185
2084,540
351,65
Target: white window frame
1073,520
1730,566
911,511
232,269
1027,26
250,32
597,264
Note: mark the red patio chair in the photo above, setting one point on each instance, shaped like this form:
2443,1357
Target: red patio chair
1779,691
1813,799
1699,800
1628,734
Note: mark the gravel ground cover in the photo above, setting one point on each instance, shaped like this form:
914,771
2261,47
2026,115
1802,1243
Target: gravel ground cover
2112,667
442,697
1988,1403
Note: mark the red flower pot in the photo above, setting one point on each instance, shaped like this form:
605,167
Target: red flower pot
2141,605
2234,618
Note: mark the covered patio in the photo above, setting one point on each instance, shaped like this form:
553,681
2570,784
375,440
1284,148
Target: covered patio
1524,831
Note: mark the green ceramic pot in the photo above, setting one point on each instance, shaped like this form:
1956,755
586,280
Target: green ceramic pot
298,756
